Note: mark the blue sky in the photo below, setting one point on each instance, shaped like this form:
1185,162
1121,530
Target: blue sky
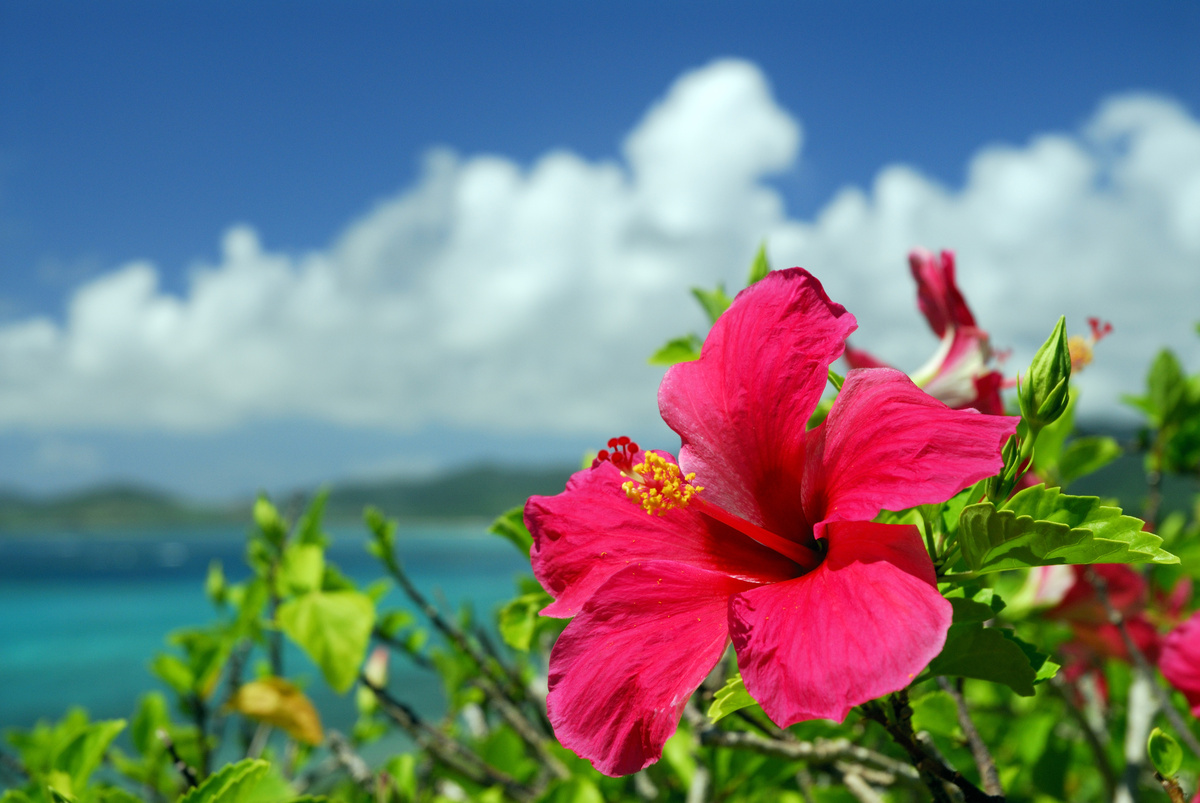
153,153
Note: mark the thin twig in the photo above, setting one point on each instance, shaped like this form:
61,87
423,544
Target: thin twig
1099,753
862,791
823,752
1139,661
979,750
189,774
446,749
933,770
350,761
1172,788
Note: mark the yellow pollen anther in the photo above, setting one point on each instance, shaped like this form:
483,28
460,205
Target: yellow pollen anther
660,486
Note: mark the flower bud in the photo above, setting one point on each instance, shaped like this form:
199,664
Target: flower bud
1165,753
1045,392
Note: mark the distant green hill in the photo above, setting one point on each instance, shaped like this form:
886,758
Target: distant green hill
480,492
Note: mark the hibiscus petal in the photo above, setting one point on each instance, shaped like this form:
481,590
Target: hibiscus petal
862,624
937,291
888,445
622,671
860,358
741,409
1180,661
589,532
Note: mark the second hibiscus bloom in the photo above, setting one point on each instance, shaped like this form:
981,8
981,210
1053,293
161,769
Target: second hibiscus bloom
760,534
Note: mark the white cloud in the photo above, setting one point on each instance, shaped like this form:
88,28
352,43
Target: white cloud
507,299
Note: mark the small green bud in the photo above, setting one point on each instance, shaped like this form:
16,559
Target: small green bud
272,525
1165,753
1046,390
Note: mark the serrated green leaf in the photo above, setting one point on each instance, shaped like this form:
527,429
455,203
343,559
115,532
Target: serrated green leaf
518,619
1083,456
83,754
333,628
1043,527
677,350
729,698
985,653
511,525
979,609
714,301
231,785
760,267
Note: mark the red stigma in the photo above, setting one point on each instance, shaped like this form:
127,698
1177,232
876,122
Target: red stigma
1100,329
621,456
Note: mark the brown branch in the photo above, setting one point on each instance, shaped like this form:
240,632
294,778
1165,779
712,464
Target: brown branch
822,752
350,761
447,750
189,774
979,750
934,772
1172,788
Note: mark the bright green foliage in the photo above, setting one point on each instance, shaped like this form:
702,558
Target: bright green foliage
302,569
760,267
511,525
272,526
1062,461
731,697
1165,753
1044,394
233,784
518,619
333,628
679,349
714,301
1043,527
986,653
1172,408
937,713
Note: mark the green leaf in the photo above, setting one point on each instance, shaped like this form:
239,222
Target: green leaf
714,301
83,754
518,619
333,628
151,715
1045,393
302,569
984,605
574,790
680,349
1165,753
729,698
760,267
174,672
1043,527
231,785
308,529
937,713
215,586
985,653
1084,456
511,525
117,795
836,379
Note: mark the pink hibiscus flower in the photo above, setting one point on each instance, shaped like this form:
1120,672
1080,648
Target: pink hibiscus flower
958,372
1180,660
763,535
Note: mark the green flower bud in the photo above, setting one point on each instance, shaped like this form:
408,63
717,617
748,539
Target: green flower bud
1046,390
1165,753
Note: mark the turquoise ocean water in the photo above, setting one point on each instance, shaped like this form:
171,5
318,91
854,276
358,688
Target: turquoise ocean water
82,615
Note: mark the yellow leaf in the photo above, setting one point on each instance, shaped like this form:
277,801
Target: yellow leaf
279,703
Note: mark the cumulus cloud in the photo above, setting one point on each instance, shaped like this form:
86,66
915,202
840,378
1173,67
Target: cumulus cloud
503,298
